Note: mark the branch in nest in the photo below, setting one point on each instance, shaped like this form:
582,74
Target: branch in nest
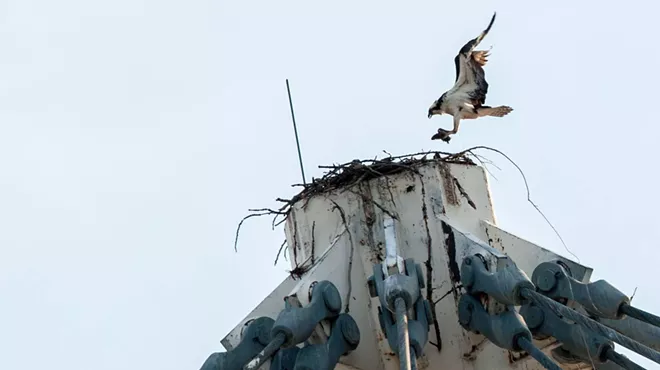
259,212
529,197
341,176
350,257
273,212
299,271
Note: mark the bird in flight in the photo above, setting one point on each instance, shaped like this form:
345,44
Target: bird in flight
466,99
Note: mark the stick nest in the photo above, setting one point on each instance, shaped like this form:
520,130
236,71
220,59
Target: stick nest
348,174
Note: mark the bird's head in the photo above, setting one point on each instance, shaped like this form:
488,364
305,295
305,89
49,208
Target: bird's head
436,107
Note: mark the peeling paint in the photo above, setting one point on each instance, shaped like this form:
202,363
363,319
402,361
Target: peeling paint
475,349
448,184
295,237
452,265
388,186
429,267
313,241
375,253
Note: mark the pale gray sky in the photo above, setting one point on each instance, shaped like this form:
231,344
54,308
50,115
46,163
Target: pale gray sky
134,135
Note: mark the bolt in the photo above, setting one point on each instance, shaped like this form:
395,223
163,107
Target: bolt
547,280
350,330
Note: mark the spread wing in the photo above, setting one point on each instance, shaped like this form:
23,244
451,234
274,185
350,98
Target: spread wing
469,68
463,56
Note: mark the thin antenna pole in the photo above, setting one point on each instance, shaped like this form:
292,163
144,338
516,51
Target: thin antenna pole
295,131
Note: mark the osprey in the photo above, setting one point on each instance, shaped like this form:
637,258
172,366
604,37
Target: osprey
465,100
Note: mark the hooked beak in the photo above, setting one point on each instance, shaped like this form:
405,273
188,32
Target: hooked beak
430,115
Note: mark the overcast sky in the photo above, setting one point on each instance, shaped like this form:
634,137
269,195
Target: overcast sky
134,135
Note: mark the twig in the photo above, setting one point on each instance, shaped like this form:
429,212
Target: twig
529,197
271,211
452,290
279,252
238,229
370,200
279,222
350,258
464,193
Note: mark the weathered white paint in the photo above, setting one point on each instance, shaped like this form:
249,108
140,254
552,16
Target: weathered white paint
392,254
441,214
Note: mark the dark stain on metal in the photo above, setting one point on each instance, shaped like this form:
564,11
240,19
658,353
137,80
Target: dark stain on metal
448,184
464,194
429,266
515,357
471,354
380,254
490,240
389,190
497,244
367,198
370,219
450,247
295,238
313,243
438,205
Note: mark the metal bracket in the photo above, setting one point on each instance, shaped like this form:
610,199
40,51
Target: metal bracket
298,323
504,285
253,339
503,329
579,341
405,285
344,338
599,298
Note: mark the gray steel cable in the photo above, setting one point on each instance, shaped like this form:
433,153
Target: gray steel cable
640,315
621,360
267,352
537,354
561,310
403,340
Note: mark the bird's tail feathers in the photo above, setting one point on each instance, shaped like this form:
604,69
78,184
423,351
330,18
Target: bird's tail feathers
481,57
500,111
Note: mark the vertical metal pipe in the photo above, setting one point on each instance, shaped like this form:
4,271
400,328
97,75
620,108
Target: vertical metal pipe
295,131
402,333
413,359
